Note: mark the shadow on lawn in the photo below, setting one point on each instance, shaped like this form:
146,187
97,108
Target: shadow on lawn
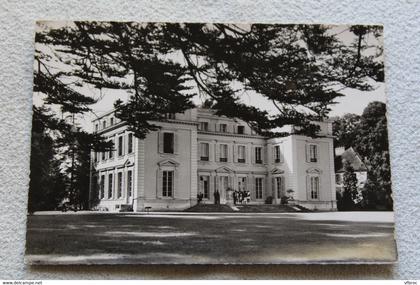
226,239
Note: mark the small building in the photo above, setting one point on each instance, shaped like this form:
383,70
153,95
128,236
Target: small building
350,155
198,152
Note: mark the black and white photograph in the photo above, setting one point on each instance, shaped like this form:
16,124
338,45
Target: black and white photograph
209,143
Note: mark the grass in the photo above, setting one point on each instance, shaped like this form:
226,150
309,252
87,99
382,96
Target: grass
206,238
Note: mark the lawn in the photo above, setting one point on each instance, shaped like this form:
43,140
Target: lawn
54,238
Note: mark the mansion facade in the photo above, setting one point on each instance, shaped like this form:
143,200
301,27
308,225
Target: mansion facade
198,152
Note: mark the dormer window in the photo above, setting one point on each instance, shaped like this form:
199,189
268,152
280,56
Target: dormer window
223,128
111,121
313,153
104,124
96,127
241,129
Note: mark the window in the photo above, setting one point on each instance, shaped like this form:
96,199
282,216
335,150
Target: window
120,146
102,187
104,124
258,158
111,121
167,183
241,153
119,189
110,185
242,183
204,151
96,127
277,154
313,153
130,143
95,155
223,128
129,183
204,186
168,142
314,187
111,152
280,186
258,188
103,155
204,126
241,129
170,116
223,153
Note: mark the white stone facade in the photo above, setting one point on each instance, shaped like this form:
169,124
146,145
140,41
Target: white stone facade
198,152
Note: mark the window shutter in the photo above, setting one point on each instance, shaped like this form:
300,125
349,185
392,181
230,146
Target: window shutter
160,142
308,187
307,149
235,153
176,148
229,150
265,154
273,187
253,154
175,184
283,186
270,154
254,194
319,188
159,179
251,186
281,152
217,152
211,151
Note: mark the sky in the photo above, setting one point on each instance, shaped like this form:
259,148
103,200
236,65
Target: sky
354,100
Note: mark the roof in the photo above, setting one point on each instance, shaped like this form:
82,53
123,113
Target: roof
349,155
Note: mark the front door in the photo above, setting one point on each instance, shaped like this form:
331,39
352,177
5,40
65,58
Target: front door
241,183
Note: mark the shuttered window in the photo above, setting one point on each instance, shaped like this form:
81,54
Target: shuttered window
120,146
314,187
110,185
258,156
130,143
204,151
259,188
168,142
241,153
223,152
167,183
129,183
102,187
120,181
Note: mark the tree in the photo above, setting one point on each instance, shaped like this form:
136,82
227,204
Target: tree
47,182
350,187
345,130
299,68
371,143
368,135
59,166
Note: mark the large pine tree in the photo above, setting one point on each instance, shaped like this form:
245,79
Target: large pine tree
301,69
